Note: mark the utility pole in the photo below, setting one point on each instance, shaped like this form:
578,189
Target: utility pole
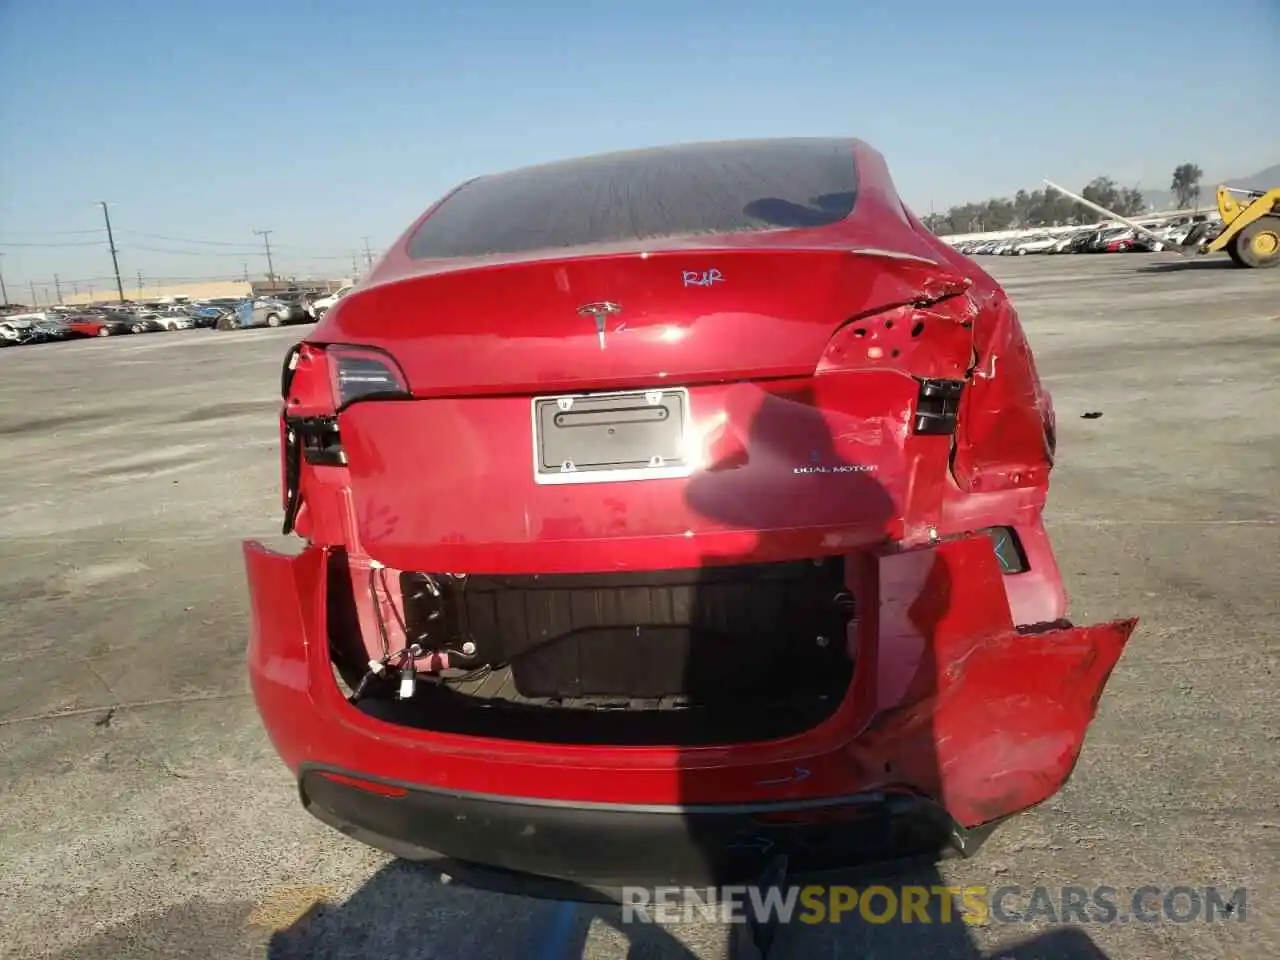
368,254
4,291
112,244
57,285
139,284
245,264
32,285
355,266
266,239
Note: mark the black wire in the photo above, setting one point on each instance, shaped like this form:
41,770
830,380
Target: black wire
382,576
377,612
394,609
468,677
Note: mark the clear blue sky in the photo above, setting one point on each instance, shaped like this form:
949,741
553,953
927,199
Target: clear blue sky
331,121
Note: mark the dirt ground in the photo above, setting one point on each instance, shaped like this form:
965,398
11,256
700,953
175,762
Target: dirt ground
144,814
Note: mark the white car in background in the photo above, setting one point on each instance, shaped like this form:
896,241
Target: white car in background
150,320
1036,244
318,307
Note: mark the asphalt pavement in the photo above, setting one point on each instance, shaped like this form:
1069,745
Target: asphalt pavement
144,814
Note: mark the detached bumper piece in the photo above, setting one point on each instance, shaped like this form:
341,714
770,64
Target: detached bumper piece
605,847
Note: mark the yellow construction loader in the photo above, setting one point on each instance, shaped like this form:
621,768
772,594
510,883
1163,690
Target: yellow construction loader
1250,230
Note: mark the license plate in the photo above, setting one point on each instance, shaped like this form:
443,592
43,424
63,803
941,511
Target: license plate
605,437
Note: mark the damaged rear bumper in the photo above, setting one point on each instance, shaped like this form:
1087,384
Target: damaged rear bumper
600,848
954,719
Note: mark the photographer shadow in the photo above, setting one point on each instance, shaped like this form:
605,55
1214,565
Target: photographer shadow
406,911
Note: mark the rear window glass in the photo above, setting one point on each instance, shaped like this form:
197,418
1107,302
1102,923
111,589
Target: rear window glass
644,195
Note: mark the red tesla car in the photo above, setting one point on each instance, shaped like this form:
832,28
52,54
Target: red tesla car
664,512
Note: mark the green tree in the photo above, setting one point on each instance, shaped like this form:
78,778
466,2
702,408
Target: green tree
1186,184
1130,202
1102,191
1038,208
935,223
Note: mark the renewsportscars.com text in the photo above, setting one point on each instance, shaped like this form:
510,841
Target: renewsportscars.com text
974,905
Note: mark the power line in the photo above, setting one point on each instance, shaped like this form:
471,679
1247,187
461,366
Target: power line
78,243
63,233
160,236
237,254
207,254
213,243
308,265
236,249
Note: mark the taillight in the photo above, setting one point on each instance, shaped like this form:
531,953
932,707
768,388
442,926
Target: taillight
932,342
319,381
364,373
290,366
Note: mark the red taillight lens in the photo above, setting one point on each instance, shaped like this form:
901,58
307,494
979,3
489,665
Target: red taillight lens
364,373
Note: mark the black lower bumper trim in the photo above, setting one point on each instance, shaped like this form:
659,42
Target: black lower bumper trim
598,849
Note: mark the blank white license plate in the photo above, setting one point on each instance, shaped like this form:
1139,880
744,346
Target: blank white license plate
603,437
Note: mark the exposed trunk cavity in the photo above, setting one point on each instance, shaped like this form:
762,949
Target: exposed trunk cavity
721,654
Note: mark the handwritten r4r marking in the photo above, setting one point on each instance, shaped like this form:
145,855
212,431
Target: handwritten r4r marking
705,278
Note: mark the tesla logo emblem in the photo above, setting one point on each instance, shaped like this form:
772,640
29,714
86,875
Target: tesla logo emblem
601,312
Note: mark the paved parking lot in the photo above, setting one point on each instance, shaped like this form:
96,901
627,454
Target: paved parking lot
144,814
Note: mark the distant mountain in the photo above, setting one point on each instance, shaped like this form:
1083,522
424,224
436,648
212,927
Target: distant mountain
1262,180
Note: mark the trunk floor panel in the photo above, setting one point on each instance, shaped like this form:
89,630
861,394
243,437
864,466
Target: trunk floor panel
489,706
700,632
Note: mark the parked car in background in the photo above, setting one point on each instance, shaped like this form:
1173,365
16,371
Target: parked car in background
155,322
49,327
263,312
98,324
299,306
1112,240
1083,241
228,304
324,303
1205,231
16,330
206,315
1036,243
